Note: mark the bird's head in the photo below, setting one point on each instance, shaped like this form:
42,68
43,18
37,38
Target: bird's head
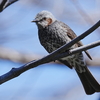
43,19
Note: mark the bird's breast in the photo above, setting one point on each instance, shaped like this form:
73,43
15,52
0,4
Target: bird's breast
52,38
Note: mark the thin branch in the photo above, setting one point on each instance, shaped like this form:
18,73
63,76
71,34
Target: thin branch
5,3
14,72
85,47
19,57
17,71
2,4
76,50
9,3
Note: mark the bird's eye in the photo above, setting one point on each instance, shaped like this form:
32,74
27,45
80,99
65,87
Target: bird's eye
44,18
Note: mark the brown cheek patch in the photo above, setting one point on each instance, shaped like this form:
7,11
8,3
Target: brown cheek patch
49,20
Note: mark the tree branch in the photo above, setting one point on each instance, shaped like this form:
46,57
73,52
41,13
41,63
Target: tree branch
76,50
19,57
14,72
5,3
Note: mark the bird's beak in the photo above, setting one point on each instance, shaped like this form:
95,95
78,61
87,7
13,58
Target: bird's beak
34,21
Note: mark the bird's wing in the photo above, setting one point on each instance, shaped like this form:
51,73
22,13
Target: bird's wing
72,35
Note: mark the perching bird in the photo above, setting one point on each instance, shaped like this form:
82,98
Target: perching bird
52,35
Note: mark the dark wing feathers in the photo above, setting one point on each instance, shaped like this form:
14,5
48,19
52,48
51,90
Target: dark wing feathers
72,35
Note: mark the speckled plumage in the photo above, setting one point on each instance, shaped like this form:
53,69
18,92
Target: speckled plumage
52,35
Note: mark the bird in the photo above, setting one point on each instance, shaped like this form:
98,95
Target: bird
53,34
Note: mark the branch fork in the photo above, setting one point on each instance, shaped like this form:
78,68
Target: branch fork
55,55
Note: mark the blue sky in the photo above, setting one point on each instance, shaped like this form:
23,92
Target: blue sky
47,81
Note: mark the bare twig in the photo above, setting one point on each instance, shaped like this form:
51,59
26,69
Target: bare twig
19,57
79,49
14,72
5,3
2,4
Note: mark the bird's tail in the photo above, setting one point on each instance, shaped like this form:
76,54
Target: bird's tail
89,82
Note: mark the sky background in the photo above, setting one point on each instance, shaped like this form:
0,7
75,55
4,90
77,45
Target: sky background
48,81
